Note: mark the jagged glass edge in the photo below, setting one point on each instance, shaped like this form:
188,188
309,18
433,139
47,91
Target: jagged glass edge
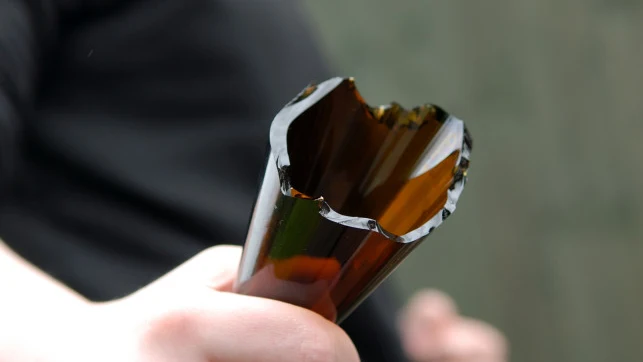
279,147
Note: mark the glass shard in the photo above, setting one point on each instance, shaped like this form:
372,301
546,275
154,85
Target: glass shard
349,191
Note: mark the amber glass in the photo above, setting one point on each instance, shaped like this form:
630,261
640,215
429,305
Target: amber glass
349,191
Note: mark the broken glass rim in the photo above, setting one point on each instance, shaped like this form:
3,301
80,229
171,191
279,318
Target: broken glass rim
279,148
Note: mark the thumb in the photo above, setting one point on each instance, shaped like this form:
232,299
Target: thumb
215,267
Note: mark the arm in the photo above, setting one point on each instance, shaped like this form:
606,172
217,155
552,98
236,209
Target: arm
23,286
31,300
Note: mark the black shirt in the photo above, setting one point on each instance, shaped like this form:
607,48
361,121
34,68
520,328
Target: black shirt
133,134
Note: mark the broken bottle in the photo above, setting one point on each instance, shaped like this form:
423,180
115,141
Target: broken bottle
348,192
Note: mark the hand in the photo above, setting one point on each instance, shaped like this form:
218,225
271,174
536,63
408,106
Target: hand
300,280
189,315
432,331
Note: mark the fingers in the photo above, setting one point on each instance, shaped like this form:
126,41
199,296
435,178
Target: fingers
423,320
431,307
220,265
472,340
431,330
236,328
215,267
296,334
312,295
184,319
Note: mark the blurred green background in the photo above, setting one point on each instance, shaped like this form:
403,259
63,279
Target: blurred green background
546,241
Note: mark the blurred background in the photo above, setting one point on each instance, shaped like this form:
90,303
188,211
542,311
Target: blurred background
546,244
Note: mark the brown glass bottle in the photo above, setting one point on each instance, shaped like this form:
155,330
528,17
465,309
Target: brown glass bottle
349,191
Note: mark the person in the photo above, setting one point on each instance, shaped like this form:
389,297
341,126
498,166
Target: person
132,138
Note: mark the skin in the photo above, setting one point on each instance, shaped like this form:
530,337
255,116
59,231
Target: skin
191,315
432,331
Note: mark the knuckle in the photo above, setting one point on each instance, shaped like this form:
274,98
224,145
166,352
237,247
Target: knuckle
170,325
